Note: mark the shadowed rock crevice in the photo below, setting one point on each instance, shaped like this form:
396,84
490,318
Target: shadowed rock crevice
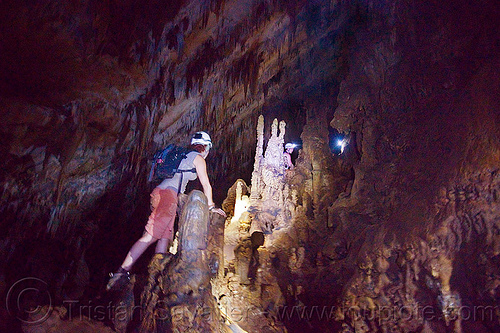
405,216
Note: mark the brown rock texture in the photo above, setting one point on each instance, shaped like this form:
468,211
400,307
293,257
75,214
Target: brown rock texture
399,233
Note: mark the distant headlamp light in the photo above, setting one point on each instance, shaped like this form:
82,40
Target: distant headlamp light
342,144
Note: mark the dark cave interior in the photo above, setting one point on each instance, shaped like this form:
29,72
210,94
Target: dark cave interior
398,232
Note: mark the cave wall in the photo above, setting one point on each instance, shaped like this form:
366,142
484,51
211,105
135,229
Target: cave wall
89,90
409,241
419,104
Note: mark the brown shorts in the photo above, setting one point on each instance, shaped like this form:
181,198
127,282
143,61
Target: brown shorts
161,221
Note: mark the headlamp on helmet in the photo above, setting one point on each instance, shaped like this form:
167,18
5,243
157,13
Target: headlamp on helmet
201,138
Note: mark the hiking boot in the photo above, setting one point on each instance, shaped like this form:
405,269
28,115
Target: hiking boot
118,279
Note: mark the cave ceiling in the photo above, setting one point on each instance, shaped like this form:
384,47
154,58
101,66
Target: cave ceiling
89,90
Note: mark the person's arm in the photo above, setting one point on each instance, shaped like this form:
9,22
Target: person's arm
201,171
289,160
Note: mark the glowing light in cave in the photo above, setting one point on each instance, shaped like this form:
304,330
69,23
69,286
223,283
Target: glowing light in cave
240,206
342,143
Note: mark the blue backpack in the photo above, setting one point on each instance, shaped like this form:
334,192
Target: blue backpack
166,162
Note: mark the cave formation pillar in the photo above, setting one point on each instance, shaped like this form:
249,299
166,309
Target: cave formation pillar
316,185
267,202
189,303
256,174
316,146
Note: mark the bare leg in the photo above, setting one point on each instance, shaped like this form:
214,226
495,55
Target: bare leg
137,250
161,245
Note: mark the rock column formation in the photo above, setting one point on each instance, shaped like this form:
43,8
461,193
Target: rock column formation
398,232
184,301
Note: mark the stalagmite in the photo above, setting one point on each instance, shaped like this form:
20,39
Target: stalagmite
268,205
405,218
183,299
256,181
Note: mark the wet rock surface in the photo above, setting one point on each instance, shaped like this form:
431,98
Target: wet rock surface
398,233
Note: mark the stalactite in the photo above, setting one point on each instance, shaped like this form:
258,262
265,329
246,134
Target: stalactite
204,61
256,63
139,152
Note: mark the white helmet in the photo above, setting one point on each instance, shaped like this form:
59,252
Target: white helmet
201,138
289,145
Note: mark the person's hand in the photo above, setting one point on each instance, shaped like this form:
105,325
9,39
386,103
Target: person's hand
217,210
